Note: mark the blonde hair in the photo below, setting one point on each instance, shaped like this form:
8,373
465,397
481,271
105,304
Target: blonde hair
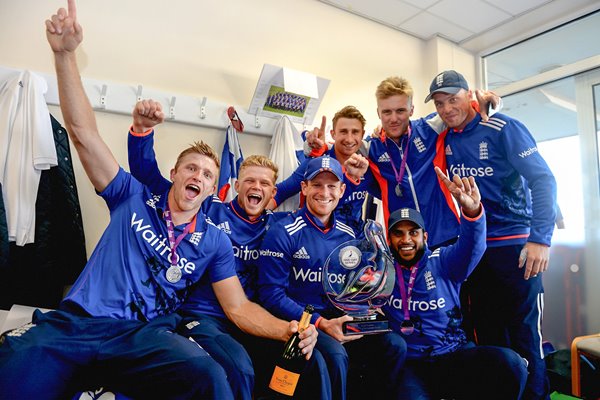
349,112
394,85
199,148
260,161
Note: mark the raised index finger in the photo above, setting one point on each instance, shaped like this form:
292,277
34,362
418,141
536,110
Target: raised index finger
72,9
323,124
441,174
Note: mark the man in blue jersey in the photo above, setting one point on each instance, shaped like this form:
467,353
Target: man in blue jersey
117,322
519,193
290,276
247,360
347,132
425,309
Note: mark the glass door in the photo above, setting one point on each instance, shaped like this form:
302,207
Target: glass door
563,116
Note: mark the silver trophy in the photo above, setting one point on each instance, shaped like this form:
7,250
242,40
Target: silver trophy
358,279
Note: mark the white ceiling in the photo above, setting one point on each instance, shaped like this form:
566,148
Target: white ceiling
484,26
476,25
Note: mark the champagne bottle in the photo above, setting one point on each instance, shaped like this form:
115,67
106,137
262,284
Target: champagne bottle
291,363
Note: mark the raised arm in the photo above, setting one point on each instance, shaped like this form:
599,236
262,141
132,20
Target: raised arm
461,258
64,36
140,145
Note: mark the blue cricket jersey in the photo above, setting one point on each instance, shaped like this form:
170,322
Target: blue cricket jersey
291,262
420,187
246,237
516,185
125,277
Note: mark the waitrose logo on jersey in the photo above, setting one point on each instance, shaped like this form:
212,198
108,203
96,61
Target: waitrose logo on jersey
159,243
311,275
415,305
464,171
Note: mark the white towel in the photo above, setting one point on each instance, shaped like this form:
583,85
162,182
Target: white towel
284,144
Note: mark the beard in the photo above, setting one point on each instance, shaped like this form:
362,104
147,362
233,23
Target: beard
412,261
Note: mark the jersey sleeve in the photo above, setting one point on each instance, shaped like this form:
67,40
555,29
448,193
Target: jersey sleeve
273,275
223,264
120,188
460,259
523,154
142,162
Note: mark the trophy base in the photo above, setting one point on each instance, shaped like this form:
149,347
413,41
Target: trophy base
366,326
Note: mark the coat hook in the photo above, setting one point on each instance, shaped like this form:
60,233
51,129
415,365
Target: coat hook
103,97
203,108
138,95
256,121
172,107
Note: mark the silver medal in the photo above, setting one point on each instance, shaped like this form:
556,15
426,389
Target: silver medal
173,274
398,190
407,327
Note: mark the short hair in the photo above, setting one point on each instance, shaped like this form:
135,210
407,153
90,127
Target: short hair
394,85
349,112
260,161
199,148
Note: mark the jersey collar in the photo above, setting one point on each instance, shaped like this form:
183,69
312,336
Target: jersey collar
242,214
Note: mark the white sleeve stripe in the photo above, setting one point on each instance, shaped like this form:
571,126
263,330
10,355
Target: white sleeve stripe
344,228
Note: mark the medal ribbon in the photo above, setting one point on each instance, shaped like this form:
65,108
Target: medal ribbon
174,242
400,174
405,293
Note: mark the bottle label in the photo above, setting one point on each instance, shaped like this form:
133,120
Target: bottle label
284,381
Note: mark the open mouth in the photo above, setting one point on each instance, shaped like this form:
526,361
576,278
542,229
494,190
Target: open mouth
192,190
254,199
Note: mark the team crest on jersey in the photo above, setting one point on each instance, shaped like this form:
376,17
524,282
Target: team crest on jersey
419,145
17,332
483,151
152,202
99,394
385,157
301,254
196,237
448,150
429,281
224,226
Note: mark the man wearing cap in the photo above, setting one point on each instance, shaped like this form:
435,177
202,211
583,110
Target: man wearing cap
291,263
425,308
519,193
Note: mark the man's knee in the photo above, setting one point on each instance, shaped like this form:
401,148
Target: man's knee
205,376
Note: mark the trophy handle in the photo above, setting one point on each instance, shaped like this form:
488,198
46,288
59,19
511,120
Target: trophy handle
375,234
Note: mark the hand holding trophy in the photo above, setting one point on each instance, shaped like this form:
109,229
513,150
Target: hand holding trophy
358,279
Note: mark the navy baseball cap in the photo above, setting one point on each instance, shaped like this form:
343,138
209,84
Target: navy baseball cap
406,214
321,164
447,82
